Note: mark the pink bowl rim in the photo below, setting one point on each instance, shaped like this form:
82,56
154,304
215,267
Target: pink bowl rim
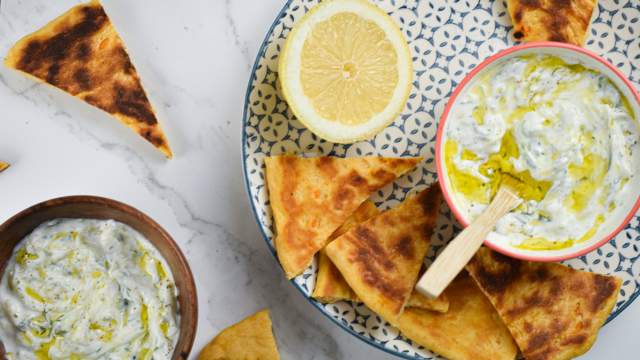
443,119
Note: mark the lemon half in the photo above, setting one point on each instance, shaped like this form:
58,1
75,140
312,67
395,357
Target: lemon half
345,70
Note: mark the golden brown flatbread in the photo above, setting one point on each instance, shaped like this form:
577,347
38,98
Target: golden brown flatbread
553,311
81,53
380,258
3,166
551,20
250,339
470,330
419,301
311,197
331,286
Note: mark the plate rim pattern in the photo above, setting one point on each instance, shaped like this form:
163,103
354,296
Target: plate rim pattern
247,187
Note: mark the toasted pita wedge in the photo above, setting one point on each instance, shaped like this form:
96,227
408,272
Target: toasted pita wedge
553,311
81,53
470,330
380,258
551,20
419,301
311,197
331,286
3,166
250,339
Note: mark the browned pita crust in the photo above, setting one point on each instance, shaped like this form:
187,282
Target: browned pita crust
250,339
551,20
419,301
380,258
81,53
3,166
553,311
470,330
331,286
311,197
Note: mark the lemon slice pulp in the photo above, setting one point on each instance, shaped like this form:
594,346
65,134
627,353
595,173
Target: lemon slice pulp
345,70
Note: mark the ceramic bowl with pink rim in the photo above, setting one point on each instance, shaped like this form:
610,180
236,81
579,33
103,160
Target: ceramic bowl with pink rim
565,122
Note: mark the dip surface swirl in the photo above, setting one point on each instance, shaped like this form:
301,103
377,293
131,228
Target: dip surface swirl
88,289
563,130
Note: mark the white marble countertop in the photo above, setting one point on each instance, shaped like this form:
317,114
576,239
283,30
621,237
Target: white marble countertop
194,58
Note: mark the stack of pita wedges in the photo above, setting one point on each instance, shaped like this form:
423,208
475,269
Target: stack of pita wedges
498,308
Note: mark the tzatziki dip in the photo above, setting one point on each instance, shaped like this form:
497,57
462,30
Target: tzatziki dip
562,130
88,289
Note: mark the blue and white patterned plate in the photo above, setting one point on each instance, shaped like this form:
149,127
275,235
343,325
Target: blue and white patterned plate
447,38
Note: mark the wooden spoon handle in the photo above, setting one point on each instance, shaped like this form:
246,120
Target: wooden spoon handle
461,249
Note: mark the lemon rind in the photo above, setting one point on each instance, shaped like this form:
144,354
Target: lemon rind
331,130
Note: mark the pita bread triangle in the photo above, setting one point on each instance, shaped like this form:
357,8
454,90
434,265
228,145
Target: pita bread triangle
311,197
331,286
81,53
3,166
470,330
419,301
553,311
381,258
551,20
251,338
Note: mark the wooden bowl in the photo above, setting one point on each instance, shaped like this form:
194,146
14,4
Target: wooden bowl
92,207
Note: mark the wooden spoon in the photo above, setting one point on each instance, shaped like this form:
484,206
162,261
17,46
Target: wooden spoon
461,249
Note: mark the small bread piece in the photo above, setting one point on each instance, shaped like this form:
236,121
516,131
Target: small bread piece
470,330
250,339
3,166
419,301
380,258
311,197
551,20
81,53
553,311
331,286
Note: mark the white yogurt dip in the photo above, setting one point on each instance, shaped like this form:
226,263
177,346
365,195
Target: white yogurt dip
562,129
88,289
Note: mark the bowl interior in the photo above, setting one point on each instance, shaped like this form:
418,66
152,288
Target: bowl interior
89,207
614,222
